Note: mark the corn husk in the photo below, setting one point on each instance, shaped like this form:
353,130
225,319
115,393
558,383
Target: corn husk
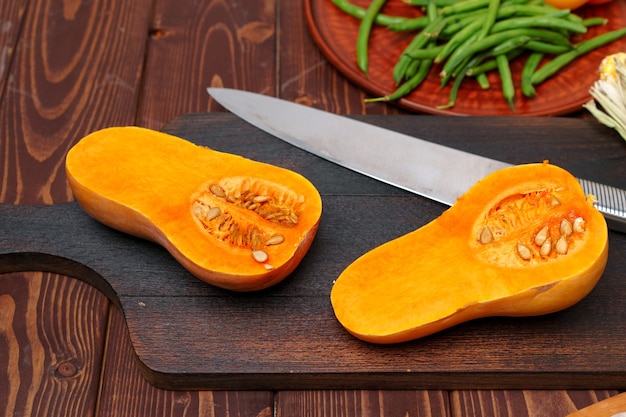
609,94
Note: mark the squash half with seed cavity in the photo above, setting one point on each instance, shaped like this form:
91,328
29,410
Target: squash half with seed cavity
523,241
235,223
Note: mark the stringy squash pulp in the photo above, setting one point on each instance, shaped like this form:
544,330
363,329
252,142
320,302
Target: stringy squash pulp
233,222
523,241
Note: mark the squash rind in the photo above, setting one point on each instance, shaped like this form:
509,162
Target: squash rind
435,278
143,182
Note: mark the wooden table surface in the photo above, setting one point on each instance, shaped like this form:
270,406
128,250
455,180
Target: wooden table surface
68,68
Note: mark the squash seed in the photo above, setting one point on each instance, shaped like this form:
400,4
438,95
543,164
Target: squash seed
217,190
524,252
561,245
259,199
259,256
485,235
579,225
546,247
275,240
263,205
542,235
198,209
566,227
213,213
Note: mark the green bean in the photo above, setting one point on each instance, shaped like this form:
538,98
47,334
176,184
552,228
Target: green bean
363,36
488,22
573,17
497,38
412,68
453,94
512,48
560,61
463,6
509,45
431,10
434,28
513,2
547,48
539,22
483,81
528,90
400,69
409,24
508,89
446,75
459,22
595,21
483,67
418,42
424,40
454,91
504,12
425,53
472,37
424,3
469,33
529,10
409,85
359,13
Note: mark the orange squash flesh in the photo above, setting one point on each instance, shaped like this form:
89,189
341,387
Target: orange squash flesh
445,273
159,187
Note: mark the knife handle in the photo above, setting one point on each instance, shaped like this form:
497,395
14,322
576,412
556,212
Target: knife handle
611,201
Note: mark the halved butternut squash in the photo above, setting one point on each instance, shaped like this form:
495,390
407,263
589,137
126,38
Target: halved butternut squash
235,223
523,241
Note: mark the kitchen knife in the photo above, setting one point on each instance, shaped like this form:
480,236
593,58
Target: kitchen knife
422,167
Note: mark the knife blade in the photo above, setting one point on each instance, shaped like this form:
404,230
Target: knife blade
431,170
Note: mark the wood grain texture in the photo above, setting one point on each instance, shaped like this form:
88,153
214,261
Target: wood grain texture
371,403
187,334
48,367
608,407
56,95
522,403
307,77
126,393
216,43
11,19
480,403
106,77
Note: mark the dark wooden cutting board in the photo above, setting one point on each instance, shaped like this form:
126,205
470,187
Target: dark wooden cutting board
188,335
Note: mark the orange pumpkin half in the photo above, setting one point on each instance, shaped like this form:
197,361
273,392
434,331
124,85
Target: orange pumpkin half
235,223
522,241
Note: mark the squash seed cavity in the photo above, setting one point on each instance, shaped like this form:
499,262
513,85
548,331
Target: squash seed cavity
515,216
246,213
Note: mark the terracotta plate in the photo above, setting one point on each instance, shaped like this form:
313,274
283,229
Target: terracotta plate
335,34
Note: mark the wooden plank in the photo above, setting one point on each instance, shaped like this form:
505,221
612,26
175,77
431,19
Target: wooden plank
57,95
190,335
614,406
11,19
52,331
480,403
191,48
126,393
523,403
356,403
307,77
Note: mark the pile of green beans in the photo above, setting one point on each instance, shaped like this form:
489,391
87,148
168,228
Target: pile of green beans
469,38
